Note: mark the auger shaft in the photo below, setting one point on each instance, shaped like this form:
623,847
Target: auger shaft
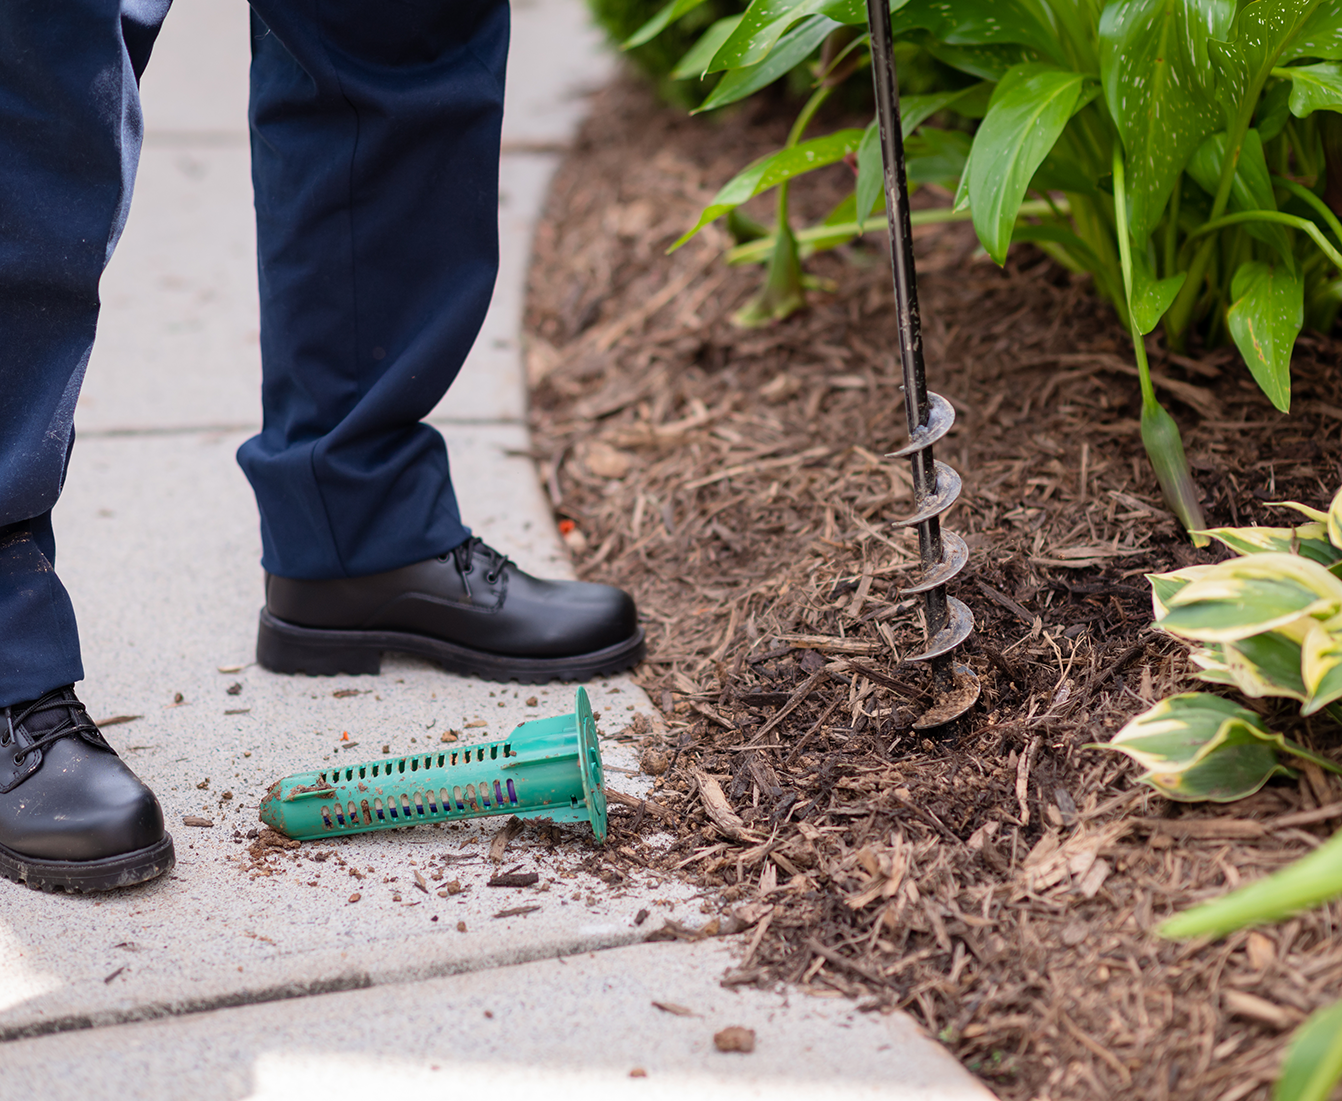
935,485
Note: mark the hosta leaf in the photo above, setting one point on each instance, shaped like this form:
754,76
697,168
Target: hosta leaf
1314,878
1265,319
1315,514
1210,659
1151,297
659,22
1247,596
1251,188
1165,585
772,170
1153,62
792,49
698,56
1321,665
1179,731
1027,114
1307,539
1238,768
1268,664
1335,521
1313,1063
1315,87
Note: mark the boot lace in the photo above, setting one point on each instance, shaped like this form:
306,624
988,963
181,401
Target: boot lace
465,556
76,723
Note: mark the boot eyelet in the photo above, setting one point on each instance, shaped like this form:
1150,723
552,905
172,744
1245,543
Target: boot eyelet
491,578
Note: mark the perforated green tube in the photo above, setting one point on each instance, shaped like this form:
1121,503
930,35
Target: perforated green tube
547,768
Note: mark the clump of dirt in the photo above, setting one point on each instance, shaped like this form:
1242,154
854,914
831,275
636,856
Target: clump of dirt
1002,885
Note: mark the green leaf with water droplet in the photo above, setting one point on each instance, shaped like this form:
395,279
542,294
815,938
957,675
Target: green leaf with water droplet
1025,117
774,169
1153,65
792,49
659,22
1264,320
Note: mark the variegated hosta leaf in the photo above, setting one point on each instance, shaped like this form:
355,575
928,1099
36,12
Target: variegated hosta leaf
1321,667
1304,510
1335,520
1211,660
1247,596
1238,768
1179,731
1165,585
1269,664
1310,540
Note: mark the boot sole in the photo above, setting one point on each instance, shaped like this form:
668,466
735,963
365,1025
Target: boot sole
285,648
80,876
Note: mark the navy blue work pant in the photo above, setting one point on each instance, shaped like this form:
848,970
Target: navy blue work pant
375,143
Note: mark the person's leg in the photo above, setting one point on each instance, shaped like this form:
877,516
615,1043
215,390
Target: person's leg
375,145
70,130
71,814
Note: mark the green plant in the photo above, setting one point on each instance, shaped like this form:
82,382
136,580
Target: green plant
1177,151
657,58
1269,623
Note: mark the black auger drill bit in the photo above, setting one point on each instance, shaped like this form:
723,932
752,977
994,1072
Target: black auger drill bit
930,416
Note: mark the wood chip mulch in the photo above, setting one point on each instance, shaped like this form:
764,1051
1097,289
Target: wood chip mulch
1000,885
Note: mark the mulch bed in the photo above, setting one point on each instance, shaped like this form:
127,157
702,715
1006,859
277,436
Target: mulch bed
1000,885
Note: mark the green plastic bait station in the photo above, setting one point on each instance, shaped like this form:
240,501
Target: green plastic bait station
547,768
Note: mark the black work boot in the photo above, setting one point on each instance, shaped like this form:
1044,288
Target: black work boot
72,814
470,610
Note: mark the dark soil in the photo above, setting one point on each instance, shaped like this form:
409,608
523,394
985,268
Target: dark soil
1000,885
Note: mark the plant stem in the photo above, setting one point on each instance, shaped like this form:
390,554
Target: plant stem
1125,260
809,108
1160,435
1292,220
1305,195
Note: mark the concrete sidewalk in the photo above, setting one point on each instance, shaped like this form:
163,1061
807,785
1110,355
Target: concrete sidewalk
246,968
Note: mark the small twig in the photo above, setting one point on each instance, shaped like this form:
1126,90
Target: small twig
1023,767
798,698
843,961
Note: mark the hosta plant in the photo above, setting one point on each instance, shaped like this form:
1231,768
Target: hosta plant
1270,624
1177,150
